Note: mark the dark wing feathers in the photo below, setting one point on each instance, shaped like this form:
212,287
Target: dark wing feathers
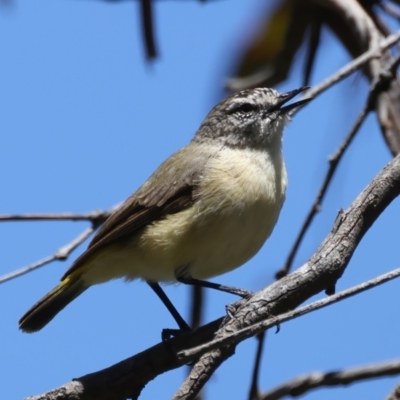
172,179
169,190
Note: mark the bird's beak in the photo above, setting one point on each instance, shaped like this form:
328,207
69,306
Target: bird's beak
285,97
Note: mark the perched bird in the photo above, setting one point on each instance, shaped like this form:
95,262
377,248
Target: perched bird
205,211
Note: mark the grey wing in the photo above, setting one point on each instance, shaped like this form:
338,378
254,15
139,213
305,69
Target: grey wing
176,176
171,188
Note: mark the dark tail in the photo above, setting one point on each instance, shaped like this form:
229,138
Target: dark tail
51,304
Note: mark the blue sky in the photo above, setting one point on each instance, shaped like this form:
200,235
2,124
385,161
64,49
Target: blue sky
85,120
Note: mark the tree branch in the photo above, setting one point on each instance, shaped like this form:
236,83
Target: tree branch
380,84
262,326
146,8
303,384
323,269
362,34
395,394
254,392
61,254
96,217
127,378
354,65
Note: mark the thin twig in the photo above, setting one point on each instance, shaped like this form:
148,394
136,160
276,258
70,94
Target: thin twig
197,294
128,377
254,392
276,321
354,65
312,47
148,28
97,215
303,384
333,255
377,87
316,206
61,254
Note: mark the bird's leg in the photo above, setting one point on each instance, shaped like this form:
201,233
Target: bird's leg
183,326
228,289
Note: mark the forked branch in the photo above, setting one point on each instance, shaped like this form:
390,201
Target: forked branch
127,378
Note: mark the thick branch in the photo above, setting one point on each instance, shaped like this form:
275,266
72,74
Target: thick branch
324,268
127,378
262,326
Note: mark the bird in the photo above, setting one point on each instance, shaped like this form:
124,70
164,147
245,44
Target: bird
205,211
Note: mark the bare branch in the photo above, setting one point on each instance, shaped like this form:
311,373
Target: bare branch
262,326
202,372
97,216
197,306
147,21
354,65
365,35
316,206
320,272
127,378
380,84
61,254
303,384
359,34
395,394
254,392
197,295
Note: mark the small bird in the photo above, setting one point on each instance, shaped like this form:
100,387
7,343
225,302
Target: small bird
205,211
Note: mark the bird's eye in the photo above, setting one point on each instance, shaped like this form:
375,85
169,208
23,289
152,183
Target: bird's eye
246,108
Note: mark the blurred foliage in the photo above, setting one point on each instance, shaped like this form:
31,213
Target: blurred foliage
267,59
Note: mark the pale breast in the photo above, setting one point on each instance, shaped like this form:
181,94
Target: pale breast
237,205
240,201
